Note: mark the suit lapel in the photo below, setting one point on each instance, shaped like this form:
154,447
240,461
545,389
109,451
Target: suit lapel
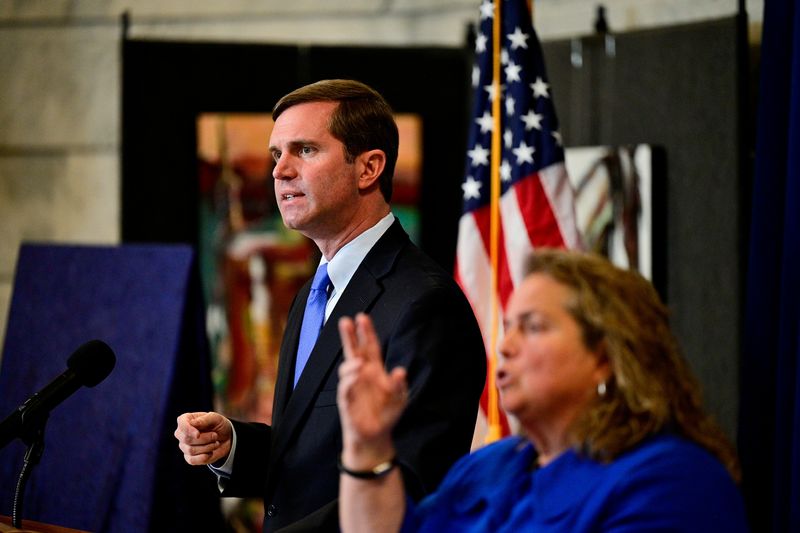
362,291
286,359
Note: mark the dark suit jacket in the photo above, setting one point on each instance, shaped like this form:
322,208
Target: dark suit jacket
426,325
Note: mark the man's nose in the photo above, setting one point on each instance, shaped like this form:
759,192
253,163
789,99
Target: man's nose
284,169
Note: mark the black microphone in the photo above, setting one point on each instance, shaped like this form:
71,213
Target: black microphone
90,364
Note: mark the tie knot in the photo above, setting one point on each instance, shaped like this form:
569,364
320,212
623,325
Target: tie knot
321,279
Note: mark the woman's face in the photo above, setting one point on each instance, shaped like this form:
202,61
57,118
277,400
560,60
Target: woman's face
546,375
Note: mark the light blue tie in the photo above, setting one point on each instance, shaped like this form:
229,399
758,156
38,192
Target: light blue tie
313,319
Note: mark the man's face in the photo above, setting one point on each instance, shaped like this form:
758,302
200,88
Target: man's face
316,188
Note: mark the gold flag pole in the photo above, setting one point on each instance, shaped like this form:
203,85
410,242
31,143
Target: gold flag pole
493,416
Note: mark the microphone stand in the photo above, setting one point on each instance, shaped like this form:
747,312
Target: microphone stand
34,438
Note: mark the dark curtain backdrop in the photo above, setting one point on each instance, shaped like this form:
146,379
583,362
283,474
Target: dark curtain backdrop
770,417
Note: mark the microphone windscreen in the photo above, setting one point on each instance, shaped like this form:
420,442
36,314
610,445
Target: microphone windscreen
92,362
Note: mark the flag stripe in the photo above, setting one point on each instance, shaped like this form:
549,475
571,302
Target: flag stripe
556,185
541,224
518,239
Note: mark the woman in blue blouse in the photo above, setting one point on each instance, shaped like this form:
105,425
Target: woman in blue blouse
614,436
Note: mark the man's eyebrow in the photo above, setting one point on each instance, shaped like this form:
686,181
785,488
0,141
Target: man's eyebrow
296,143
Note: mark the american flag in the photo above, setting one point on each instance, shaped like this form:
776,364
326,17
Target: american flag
535,203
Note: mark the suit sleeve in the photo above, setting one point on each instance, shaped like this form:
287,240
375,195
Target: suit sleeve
249,472
437,339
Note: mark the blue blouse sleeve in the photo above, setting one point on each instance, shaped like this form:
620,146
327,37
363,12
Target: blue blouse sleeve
461,500
685,491
418,514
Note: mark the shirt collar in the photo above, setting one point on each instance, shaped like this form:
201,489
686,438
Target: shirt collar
349,257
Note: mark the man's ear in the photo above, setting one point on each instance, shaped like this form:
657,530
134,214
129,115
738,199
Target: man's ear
372,164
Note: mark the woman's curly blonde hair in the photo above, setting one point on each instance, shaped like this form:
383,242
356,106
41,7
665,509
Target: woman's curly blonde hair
651,388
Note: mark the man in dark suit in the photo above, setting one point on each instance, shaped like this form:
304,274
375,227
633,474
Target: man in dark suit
335,147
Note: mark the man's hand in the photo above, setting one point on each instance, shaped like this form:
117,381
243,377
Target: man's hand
204,438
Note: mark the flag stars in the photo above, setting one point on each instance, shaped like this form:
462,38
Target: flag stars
532,120
479,155
476,76
540,88
487,10
508,138
505,170
486,122
557,136
524,153
471,188
510,105
480,43
518,39
512,72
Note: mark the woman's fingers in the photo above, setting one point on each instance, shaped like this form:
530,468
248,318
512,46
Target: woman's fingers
367,338
359,339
